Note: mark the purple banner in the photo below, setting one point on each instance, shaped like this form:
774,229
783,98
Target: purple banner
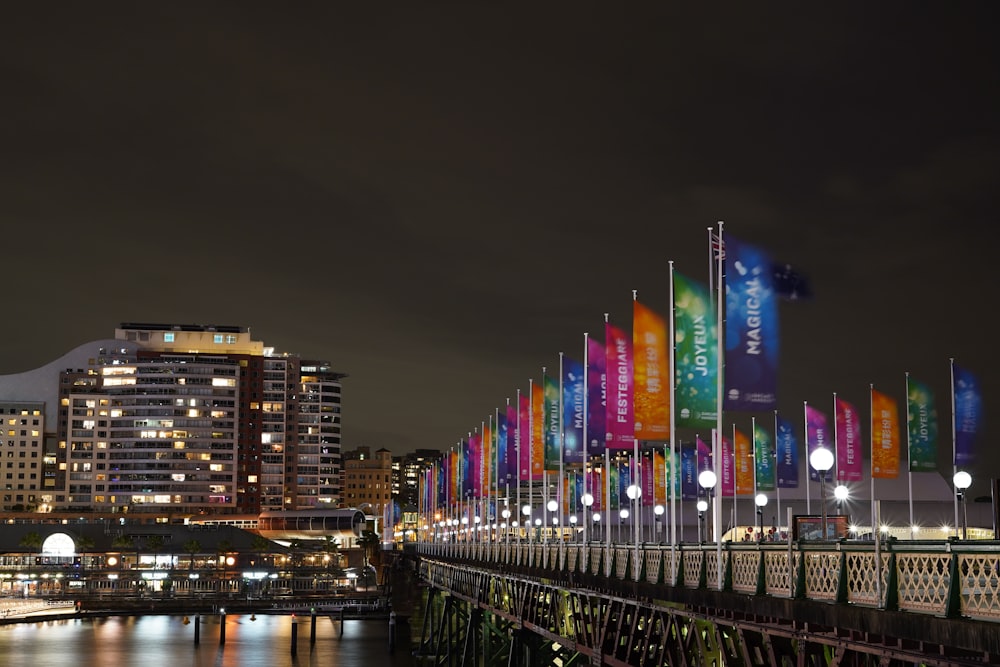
620,415
848,442
817,436
597,397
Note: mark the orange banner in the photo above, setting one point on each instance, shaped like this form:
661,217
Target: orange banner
744,463
537,431
885,436
651,374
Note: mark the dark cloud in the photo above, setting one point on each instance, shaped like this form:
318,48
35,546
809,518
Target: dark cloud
440,199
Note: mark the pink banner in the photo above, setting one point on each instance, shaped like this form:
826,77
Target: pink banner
848,442
621,416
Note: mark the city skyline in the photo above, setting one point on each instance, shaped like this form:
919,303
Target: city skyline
439,202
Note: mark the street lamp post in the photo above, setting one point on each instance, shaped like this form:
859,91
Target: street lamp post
963,481
587,500
760,501
707,480
821,460
702,506
841,493
658,513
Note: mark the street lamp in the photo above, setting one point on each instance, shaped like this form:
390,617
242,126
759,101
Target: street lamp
596,518
634,492
572,523
702,506
760,501
622,515
821,460
658,513
841,493
587,500
963,481
707,480
526,511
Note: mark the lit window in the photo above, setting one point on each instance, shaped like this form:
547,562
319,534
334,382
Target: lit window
217,338
168,337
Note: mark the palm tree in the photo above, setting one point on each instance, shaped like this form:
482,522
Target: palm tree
32,540
191,547
127,542
83,545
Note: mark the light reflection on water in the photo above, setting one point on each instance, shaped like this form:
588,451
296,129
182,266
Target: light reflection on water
155,641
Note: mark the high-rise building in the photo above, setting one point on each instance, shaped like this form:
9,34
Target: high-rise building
21,454
368,480
407,470
182,419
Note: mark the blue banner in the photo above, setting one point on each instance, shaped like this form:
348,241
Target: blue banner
968,415
787,450
573,411
689,473
751,340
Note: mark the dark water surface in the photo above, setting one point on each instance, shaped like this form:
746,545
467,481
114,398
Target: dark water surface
165,641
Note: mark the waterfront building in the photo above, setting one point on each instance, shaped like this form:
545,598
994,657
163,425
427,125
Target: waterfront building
174,420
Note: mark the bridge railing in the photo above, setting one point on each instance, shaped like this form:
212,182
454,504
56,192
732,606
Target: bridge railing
941,578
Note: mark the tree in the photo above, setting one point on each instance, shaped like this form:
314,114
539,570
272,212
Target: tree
191,547
32,540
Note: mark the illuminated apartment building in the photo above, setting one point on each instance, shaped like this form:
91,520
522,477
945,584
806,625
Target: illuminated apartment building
179,419
21,454
367,480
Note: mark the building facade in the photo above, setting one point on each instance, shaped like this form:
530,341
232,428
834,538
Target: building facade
174,419
368,480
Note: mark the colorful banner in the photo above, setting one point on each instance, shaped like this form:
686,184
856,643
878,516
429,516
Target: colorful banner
659,478
922,426
572,401
467,466
620,424
488,464
751,329
511,447
744,463
885,436
728,468
596,489
523,438
537,442
475,469
968,415
786,447
500,447
651,375
611,496
689,472
704,455
552,418
763,454
849,440
597,398
817,437
696,354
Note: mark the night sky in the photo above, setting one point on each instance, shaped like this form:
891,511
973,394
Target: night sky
439,199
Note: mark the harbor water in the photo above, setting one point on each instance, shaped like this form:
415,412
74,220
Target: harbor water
263,640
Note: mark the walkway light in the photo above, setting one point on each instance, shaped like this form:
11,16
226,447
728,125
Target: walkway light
821,460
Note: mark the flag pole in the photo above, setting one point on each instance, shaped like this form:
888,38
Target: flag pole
517,446
805,428
871,440
909,468
777,482
672,352
531,455
716,458
954,445
560,499
586,451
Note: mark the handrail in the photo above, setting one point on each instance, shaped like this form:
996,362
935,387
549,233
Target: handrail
942,578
